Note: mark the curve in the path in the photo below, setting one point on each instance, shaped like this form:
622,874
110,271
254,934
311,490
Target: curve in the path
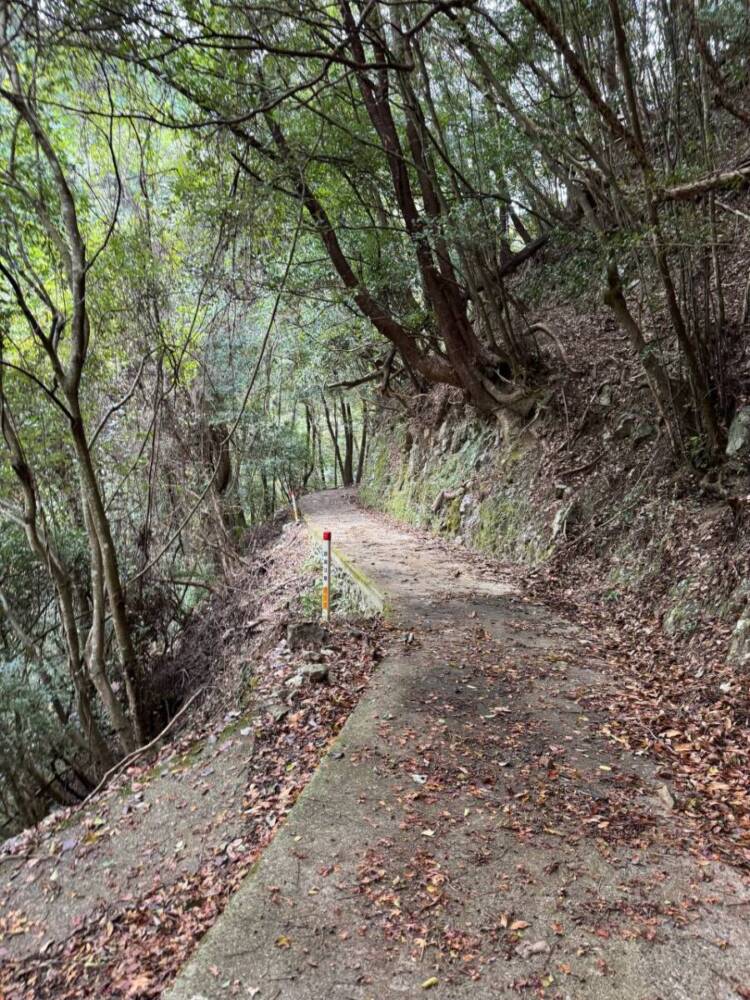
472,833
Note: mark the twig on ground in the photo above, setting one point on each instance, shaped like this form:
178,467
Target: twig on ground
131,757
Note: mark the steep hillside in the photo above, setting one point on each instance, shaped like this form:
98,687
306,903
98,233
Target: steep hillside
598,509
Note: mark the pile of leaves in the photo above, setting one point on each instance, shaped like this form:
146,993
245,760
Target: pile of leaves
674,698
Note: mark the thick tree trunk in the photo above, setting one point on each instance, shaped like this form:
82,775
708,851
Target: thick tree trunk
229,515
342,463
310,443
468,365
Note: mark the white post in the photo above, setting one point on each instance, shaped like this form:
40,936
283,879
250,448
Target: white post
294,507
326,599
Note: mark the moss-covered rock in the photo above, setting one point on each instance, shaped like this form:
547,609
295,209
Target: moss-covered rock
481,478
684,614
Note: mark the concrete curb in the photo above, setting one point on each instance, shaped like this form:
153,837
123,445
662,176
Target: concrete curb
374,595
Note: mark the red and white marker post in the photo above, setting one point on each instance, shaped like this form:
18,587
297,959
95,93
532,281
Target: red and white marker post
326,598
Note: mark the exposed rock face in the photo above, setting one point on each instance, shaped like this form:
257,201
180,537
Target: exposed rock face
469,512
738,444
315,672
629,426
467,504
642,432
684,615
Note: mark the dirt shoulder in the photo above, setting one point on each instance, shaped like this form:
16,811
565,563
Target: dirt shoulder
109,900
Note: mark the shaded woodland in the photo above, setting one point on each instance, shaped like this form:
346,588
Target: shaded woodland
234,235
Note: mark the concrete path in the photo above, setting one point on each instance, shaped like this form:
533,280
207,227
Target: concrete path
472,833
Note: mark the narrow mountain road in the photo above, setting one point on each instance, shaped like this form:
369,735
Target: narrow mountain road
473,832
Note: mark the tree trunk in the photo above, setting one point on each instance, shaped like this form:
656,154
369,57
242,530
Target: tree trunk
347,470
95,644
93,499
657,377
362,446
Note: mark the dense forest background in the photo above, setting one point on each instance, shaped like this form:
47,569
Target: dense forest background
236,239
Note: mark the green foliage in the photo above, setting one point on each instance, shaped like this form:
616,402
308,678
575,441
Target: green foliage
248,184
